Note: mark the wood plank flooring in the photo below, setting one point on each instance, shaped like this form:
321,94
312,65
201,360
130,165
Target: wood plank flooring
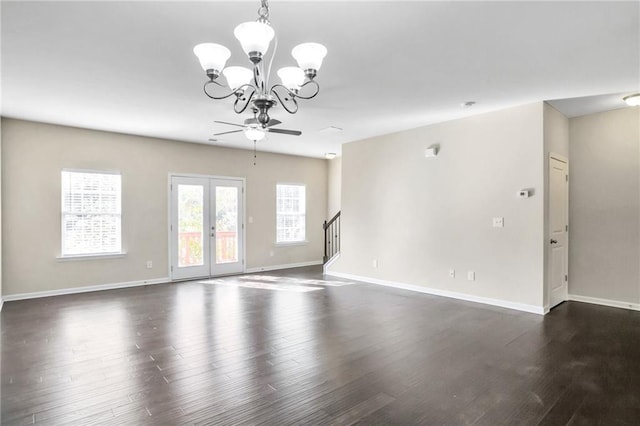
221,353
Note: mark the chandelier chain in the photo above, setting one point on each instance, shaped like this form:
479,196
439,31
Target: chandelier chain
263,12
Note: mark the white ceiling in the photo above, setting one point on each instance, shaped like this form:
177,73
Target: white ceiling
128,66
575,107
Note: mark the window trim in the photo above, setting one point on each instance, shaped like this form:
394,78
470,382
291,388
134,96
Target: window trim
71,257
292,243
297,242
88,256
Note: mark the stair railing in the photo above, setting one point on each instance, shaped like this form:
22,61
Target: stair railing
331,237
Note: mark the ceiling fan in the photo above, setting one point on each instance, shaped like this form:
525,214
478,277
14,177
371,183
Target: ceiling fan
255,131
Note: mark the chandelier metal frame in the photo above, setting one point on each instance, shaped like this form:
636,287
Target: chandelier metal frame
257,93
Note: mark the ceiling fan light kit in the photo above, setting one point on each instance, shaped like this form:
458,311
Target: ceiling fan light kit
254,134
251,86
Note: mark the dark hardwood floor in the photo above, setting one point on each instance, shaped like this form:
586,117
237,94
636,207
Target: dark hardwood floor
295,350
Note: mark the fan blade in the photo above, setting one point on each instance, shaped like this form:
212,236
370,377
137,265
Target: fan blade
226,133
272,122
285,132
230,124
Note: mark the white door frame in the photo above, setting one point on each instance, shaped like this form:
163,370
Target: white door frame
563,159
170,212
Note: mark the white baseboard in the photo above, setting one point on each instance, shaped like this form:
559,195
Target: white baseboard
85,289
451,294
325,268
605,302
277,267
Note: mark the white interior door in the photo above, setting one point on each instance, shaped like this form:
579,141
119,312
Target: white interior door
207,227
558,231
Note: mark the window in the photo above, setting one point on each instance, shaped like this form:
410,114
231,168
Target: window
291,213
91,213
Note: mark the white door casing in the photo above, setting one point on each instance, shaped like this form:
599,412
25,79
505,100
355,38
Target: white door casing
558,275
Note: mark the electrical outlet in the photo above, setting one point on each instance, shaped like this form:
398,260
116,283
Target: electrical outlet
374,263
452,273
498,222
471,276
149,264
271,253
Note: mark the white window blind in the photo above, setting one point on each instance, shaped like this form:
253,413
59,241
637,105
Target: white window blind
91,213
291,213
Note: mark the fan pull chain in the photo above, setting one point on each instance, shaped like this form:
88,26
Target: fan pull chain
254,153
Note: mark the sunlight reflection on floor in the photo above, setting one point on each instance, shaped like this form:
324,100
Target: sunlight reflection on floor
267,282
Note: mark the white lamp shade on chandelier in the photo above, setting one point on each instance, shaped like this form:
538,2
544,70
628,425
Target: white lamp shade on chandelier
309,55
237,76
254,36
212,56
292,77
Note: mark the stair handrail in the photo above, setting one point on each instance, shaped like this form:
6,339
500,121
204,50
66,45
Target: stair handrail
331,242
330,222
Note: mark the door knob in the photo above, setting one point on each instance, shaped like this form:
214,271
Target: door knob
554,242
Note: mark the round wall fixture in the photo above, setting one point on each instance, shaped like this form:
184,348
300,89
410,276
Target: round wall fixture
632,100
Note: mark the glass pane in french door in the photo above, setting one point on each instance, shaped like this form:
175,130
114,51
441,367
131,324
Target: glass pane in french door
190,225
226,211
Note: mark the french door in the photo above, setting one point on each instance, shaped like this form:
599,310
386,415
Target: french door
207,227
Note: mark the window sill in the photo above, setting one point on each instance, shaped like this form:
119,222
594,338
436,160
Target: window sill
292,243
91,257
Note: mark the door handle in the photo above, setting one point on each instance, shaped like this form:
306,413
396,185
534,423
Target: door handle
554,242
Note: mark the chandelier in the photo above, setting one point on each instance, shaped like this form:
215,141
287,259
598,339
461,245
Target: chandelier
250,87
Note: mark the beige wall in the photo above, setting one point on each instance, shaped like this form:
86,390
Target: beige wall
556,132
35,153
556,141
334,186
604,199
419,217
